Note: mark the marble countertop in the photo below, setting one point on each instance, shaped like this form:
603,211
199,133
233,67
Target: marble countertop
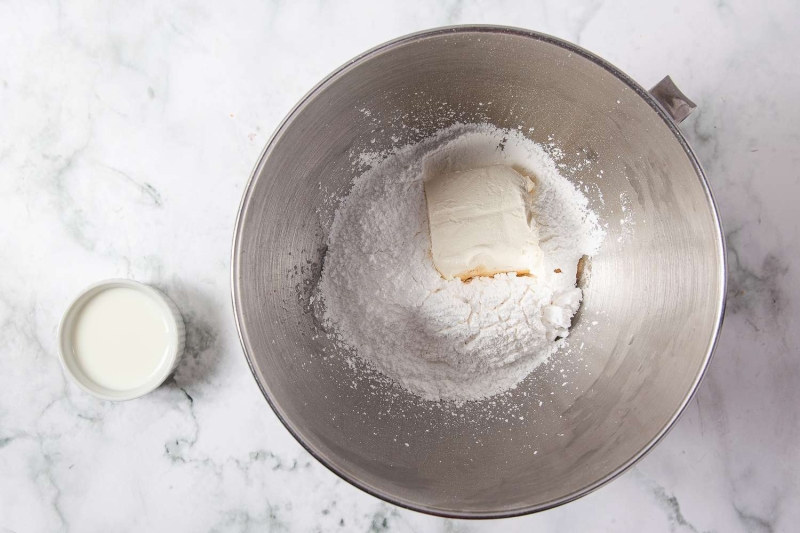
127,133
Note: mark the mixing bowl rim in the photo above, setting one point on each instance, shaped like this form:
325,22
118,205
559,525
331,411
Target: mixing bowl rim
395,43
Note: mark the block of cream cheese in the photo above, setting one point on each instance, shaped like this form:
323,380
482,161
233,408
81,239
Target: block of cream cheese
481,223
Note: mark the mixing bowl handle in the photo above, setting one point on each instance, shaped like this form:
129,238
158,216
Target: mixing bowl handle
674,102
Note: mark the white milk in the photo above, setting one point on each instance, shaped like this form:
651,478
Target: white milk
120,338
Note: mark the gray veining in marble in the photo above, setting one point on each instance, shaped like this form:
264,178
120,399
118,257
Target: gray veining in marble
126,135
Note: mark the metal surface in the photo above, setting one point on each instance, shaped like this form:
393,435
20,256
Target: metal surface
656,291
674,102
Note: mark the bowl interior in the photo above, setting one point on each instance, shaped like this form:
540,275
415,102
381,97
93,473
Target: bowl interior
653,295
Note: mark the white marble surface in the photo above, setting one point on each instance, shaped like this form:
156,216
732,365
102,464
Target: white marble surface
126,135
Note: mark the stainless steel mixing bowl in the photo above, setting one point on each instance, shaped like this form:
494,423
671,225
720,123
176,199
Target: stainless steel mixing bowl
653,303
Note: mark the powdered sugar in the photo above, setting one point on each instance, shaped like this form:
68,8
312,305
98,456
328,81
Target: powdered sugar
384,300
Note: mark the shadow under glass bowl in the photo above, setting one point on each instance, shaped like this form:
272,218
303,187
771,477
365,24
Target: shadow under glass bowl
653,303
